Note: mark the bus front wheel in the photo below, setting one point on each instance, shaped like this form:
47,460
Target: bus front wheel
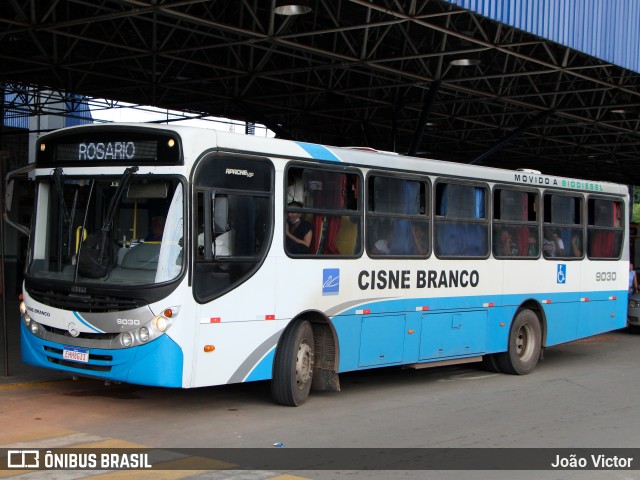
525,343
293,366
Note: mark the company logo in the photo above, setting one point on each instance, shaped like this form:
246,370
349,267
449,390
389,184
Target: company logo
330,281
561,276
73,329
38,312
237,171
23,459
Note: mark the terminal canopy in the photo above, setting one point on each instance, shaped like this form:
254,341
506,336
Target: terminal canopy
423,76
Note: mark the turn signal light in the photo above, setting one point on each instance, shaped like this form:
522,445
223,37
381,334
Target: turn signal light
209,348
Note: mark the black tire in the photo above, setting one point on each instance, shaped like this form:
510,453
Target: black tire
490,363
293,366
525,343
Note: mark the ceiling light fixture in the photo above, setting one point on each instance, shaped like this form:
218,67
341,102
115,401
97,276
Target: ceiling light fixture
465,60
619,111
292,7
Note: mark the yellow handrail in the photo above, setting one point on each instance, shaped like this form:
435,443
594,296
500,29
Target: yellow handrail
135,219
80,231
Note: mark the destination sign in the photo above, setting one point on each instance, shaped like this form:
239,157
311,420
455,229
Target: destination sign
109,147
109,150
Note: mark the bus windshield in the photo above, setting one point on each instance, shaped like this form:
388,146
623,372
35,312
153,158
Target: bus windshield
125,231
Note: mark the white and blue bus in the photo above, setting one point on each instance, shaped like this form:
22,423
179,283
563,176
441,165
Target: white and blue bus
160,256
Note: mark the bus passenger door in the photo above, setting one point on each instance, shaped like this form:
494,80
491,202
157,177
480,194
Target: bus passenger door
453,334
382,340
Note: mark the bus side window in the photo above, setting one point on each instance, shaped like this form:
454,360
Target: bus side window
563,227
398,222
605,228
515,224
461,229
329,202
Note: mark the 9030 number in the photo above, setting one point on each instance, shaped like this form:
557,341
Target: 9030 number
605,276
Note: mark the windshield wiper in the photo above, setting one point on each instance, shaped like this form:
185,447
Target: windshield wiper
124,180
99,261
67,217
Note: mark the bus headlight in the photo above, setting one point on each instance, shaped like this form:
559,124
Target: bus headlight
23,308
34,328
160,323
126,339
144,334
26,318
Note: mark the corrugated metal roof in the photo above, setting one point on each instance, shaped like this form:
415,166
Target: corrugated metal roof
78,112
16,113
16,117
605,29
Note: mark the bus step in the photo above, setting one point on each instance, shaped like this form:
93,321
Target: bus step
442,363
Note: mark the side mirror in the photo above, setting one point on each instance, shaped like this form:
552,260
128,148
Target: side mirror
8,196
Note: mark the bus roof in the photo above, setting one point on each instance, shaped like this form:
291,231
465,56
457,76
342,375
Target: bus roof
197,140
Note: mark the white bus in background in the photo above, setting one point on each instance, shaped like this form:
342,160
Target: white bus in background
410,262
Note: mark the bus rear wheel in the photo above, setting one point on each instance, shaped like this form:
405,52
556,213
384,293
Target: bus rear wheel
293,366
525,343
490,363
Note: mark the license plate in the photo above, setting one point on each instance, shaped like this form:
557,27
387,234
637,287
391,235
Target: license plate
76,354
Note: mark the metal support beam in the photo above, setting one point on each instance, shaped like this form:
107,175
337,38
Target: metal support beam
516,133
399,105
270,124
424,116
3,285
367,137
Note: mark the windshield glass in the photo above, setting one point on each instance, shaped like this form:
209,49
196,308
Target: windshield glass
122,231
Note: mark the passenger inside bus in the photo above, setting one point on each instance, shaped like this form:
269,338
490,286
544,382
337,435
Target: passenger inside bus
576,245
298,232
532,250
420,240
506,246
157,229
380,236
553,245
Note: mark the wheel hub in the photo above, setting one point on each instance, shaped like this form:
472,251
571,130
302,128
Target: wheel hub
304,364
522,342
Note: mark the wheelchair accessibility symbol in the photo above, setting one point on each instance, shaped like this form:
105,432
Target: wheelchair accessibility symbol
562,273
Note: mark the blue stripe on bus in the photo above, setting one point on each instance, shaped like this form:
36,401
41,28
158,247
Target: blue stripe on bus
86,324
264,369
458,327
441,329
158,363
318,152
